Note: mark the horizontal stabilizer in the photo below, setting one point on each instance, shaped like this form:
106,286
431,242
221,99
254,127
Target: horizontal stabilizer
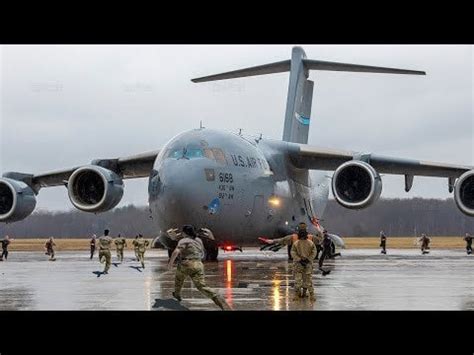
278,67
334,66
285,66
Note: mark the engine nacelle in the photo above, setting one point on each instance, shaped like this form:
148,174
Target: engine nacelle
17,200
93,188
356,184
464,193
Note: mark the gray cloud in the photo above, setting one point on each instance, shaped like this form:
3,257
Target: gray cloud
65,105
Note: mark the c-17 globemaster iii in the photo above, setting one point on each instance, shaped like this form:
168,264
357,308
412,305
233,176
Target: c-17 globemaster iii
240,187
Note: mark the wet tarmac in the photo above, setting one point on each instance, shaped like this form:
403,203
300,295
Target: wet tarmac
362,279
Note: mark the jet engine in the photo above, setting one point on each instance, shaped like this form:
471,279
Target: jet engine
356,184
17,200
94,189
464,193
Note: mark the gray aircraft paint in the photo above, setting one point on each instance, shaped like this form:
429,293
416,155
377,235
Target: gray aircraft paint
246,184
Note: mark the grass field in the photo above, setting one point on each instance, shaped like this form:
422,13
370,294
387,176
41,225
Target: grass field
454,242
61,244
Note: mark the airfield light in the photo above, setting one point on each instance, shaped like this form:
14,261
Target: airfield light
274,201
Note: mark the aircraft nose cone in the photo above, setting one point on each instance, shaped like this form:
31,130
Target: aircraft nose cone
181,195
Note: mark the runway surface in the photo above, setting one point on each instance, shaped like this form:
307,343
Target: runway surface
362,279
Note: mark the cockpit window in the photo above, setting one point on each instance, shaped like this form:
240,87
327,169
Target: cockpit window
219,155
215,154
193,153
185,153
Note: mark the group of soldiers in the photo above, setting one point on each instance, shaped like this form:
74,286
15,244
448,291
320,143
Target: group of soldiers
424,242
105,244
304,249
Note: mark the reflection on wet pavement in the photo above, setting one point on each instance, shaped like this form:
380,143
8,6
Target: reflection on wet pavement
253,280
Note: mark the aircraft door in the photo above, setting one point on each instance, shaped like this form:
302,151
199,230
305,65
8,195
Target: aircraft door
257,214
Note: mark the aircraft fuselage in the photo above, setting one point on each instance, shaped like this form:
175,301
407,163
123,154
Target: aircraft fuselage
240,188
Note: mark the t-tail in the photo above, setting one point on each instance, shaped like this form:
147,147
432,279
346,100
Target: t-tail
300,89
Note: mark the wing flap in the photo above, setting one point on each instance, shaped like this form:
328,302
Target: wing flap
304,156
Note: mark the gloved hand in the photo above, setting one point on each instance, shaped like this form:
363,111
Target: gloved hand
173,233
206,233
265,240
304,262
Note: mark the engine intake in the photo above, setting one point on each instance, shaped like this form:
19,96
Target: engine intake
356,185
95,189
17,200
464,193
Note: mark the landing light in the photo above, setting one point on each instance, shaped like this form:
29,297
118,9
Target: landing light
274,201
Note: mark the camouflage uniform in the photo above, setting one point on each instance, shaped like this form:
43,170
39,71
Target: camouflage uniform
120,244
135,247
468,240
50,249
105,243
425,244
289,240
92,244
5,243
303,252
383,243
190,264
140,245
327,250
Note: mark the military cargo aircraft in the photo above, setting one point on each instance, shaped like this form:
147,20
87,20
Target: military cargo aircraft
240,187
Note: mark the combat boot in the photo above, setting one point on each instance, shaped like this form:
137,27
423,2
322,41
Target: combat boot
304,293
221,303
297,295
324,272
178,297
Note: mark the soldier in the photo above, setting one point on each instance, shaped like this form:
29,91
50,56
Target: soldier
140,245
49,246
303,252
5,243
291,238
190,250
135,247
93,245
105,242
425,243
120,244
327,251
468,240
383,242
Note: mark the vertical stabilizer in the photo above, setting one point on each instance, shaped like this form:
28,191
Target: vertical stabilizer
300,89
299,99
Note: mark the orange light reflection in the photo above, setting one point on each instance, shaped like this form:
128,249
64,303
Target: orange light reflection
228,296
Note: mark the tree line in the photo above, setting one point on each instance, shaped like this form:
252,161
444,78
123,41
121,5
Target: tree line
397,217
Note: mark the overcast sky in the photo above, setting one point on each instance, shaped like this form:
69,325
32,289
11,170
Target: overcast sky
63,106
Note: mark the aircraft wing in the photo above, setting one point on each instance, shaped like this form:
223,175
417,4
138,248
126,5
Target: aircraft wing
305,156
135,166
